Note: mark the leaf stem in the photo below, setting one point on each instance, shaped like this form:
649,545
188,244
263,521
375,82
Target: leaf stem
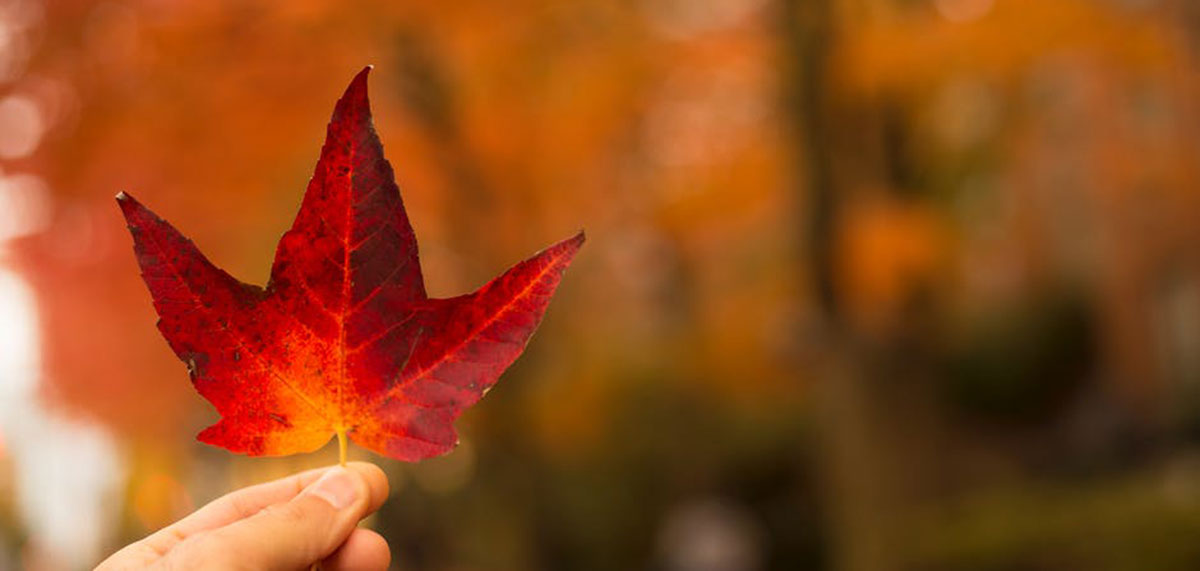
341,435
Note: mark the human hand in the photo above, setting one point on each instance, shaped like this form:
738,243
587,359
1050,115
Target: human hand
291,524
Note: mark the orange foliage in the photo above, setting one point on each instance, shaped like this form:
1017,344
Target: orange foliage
890,254
918,48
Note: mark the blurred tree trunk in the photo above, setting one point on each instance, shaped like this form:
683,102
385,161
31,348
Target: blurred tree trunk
859,452
432,99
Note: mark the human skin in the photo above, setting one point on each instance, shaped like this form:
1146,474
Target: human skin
288,524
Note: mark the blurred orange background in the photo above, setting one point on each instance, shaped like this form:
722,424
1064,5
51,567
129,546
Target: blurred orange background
870,284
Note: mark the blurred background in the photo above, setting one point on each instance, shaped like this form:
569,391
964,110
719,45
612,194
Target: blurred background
870,284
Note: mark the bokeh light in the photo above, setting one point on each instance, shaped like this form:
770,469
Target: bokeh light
879,284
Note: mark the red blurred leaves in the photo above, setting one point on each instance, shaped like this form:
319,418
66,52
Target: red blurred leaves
343,338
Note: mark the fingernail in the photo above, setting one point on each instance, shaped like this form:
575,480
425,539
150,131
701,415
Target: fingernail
336,486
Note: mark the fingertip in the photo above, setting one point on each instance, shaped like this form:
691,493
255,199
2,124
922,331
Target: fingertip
341,488
376,481
364,550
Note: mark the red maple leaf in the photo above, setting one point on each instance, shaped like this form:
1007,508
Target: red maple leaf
343,340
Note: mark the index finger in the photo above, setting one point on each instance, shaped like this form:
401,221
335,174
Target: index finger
246,502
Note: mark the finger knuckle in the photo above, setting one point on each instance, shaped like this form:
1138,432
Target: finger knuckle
287,513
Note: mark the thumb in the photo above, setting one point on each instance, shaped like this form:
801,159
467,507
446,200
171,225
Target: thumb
301,531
